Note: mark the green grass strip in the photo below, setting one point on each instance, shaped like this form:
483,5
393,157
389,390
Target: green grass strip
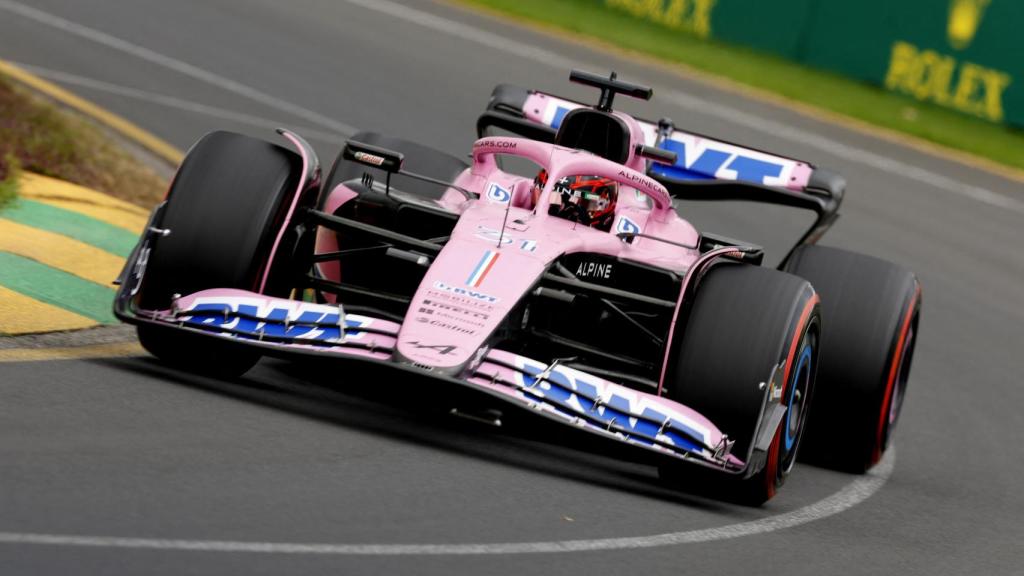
826,90
56,287
72,224
8,192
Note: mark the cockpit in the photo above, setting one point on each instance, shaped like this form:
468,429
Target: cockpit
587,199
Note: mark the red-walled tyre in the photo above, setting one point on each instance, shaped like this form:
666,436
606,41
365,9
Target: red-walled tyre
745,321
223,212
871,309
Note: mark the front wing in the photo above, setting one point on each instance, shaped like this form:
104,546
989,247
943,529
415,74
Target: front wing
658,426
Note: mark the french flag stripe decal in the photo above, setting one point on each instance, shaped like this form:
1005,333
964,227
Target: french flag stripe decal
482,268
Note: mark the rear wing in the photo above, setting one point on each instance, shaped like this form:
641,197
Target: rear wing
705,168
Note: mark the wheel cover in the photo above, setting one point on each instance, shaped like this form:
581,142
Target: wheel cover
799,389
798,386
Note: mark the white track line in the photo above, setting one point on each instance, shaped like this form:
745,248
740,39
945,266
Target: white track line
539,55
699,105
179,104
185,68
852,494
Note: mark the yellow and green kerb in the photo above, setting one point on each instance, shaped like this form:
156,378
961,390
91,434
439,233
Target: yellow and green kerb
61,246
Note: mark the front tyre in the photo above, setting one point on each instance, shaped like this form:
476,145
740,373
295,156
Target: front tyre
224,210
744,322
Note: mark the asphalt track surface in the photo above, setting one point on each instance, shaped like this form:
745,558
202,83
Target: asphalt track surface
130,467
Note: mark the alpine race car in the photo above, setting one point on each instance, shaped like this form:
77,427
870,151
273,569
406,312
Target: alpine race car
571,291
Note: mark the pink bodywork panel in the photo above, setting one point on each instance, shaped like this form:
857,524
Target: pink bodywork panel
291,208
474,283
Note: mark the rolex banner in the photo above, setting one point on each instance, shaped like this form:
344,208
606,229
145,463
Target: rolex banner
962,54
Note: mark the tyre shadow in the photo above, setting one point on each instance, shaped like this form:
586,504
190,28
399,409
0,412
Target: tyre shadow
368,404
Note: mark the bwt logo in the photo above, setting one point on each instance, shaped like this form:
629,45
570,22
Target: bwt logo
275,322
701,161
466,292
573,395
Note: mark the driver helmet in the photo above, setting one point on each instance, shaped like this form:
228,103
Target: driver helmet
589,200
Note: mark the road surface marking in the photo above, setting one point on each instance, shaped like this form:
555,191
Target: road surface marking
726,84
179,104
857,491
156,145
170,63
542,56
699,105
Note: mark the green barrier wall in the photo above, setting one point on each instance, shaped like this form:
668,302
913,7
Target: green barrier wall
962,54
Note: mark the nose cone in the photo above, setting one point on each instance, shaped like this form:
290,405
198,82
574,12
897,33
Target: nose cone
469,290
479,277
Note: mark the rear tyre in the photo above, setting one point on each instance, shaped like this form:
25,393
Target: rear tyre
419,159
744,321
224,209
872,309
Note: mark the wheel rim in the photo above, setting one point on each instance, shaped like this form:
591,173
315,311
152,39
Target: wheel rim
796,403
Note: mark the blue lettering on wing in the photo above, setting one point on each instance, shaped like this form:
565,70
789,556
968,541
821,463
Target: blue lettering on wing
703,168
210,314
753,170
560,113
349,323
644,427
677,439
274,325
560,392
321,326
585,393
710,161
559,388
247,318
616,408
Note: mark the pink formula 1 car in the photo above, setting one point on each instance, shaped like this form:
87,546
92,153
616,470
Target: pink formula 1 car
549,276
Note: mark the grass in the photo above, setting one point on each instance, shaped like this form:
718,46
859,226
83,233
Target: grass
9,170
587,19
37,136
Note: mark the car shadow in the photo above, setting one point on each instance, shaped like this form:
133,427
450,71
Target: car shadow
372,406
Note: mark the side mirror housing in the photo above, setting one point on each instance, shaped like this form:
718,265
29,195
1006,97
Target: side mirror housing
373,156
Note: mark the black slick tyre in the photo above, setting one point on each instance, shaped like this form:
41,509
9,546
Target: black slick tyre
744,321
224,211
872,308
